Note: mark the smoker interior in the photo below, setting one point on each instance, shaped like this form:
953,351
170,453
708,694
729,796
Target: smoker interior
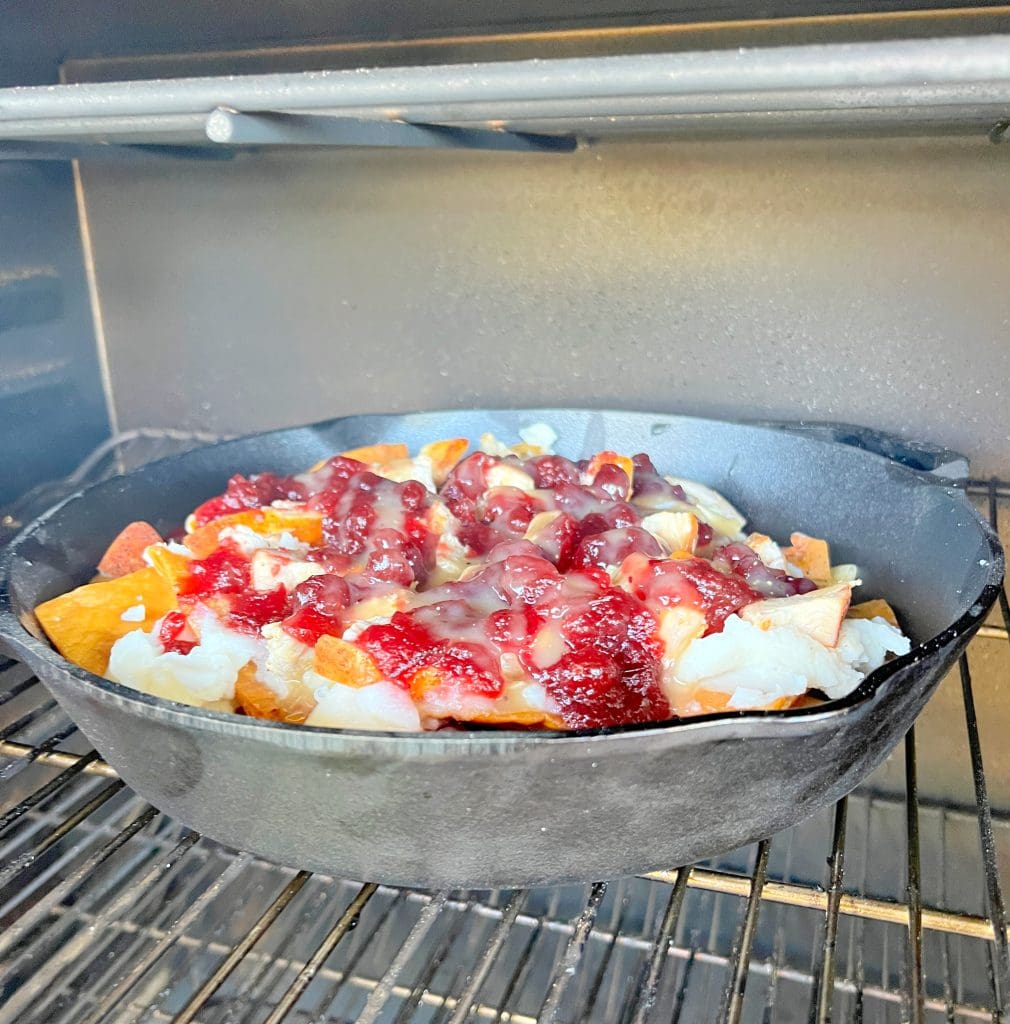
822,251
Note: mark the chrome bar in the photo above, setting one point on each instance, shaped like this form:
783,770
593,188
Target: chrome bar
836,864
347,920
564,969
738,984
384,989
914,886
188,1013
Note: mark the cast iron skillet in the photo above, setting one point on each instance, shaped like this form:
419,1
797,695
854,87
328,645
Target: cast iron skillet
488,809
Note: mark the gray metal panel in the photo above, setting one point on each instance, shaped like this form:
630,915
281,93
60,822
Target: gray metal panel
861,281
52,409
35,37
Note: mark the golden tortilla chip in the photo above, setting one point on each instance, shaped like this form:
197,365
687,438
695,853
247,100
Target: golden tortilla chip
84,624
343,662
444,455
877,608
378,454
173,566
126,553
258,700
301,524
812,555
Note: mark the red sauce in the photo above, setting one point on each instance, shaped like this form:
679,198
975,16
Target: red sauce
226,571
317,607
743,562
592,645
175,635
692,582
243,493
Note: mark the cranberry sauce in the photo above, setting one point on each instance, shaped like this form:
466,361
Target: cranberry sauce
564,587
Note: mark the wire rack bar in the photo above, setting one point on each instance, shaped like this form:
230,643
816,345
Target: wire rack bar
53,786
738,984
56,758
231,872
188,1013
64,828
384,989
565,968
685,954
913,888
836,865
494,945
344,924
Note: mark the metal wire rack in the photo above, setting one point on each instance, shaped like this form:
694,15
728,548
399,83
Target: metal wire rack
887,907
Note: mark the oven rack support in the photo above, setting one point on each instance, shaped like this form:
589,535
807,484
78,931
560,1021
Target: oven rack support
108,911
959,84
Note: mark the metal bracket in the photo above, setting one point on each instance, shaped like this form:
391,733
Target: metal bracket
231,128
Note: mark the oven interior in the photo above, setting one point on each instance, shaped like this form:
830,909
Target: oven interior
217,222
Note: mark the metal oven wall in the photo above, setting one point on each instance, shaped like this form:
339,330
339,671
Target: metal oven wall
861,280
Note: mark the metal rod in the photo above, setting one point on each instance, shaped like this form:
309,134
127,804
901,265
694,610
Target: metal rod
660,950
995,905
228,127
564,970
910,63
14,932
384,989
480,971
29,993
46,791
28,718
67,825
192,912
914,887
347,972
518,972
434,962
17,689
890,911
230,962
55,758
622,907
745,942
347,920
836,864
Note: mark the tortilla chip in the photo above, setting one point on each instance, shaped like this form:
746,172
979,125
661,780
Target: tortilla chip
301,524
877,608
378,454
84,624
343,662
521,719
173,566
126,553
812,555
444,455
712,701
258,700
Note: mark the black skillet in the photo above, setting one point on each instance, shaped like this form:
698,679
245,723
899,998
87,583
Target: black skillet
489,809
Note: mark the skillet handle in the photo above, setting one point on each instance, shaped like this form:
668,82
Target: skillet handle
935,460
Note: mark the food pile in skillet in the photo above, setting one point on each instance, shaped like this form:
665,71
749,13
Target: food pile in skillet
510,587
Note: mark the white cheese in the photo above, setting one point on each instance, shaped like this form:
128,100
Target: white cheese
539,435
206,675
378,706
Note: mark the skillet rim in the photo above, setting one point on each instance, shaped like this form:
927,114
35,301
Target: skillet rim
21,639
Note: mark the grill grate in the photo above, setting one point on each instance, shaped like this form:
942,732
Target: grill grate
886,908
